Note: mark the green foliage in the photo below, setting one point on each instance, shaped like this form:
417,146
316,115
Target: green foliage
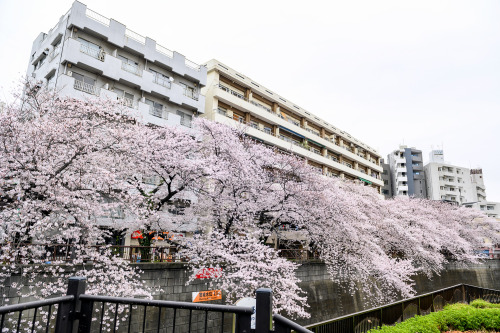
479,315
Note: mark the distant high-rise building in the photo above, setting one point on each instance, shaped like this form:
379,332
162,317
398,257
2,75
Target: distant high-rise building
457,184
407,172
490,208
386,178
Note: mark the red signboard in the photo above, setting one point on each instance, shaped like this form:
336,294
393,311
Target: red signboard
136,235
207,273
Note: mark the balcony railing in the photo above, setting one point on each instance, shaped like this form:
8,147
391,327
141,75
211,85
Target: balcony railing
333,158
54,53
157,112
97,17
239,95
191,94
165,82
94,53
260,105
132,68
186,122
349,165
86,87
128,102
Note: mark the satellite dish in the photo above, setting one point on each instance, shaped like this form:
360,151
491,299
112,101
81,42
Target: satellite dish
171,79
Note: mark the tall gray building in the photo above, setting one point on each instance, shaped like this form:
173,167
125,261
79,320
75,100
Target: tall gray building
87,54
407,172
386,178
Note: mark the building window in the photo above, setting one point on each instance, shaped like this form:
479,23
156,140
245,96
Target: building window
155,109
40,62
129,65
50,81
160,78
124,97
189,91
85,84
91,49
185,118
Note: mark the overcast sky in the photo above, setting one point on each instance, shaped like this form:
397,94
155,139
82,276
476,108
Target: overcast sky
420,73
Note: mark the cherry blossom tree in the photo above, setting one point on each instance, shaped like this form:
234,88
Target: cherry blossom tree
62,167
68,166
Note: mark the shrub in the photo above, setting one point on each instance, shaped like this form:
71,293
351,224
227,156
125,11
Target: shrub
479,315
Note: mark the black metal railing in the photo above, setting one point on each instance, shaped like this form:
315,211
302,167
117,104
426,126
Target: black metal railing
26,317
393,313
78,312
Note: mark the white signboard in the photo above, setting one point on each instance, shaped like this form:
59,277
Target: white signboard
248,302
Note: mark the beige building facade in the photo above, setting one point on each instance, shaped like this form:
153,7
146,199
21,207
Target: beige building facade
236,100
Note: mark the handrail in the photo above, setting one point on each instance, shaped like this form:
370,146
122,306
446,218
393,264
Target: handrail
283,325
35,304
376,311
169,304
97,17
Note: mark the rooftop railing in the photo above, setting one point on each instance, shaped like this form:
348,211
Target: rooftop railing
97,17
135,36
163,50
192,65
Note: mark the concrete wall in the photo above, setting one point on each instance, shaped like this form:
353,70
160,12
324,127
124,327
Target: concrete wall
326,299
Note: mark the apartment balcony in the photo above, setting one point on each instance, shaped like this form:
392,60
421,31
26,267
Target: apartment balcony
119,35
401,188
132,68
158,112
87,88
236,99
115,69
295,147
94,53
84,91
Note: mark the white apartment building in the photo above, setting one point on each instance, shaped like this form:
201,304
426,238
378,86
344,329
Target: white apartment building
87,54
235,99
457,184
490,208
447,182
407,172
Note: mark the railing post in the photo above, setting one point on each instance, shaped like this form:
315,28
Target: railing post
66,314
263,310
243,323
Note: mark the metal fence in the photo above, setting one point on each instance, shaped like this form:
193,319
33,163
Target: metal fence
393,313
53,253
78,312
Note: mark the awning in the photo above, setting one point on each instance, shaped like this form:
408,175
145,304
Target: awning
318,144
297,134
364,180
